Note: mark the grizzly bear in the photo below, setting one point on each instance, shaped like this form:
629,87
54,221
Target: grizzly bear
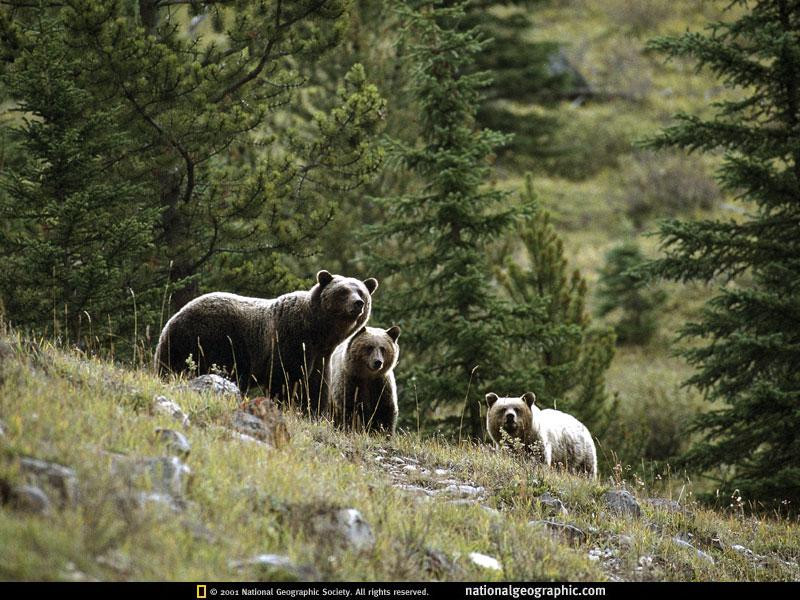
556,438
282,345
363,393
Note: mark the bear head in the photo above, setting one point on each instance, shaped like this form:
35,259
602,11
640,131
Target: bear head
373,351
510,416
343,303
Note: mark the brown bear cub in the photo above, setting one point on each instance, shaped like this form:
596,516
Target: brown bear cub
283,344
363,393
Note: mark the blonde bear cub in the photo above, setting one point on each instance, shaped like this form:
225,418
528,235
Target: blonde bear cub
560,438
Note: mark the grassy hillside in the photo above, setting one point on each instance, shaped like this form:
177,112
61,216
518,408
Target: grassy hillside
426,505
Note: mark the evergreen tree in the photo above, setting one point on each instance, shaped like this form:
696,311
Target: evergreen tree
747,349
567,358
433,239
193,125
523,71
621,288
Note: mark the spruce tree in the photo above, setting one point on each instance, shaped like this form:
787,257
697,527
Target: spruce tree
457,330
524,72
621,289
566,357
746,341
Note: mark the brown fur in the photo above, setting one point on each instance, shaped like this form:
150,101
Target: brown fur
363,394
509,421
282,345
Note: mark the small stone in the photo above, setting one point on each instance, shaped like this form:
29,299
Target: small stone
562,530
645,562
622,502
700,554
215,384
174,440
552,505
409,468
59,477
262,420
347,525
463,490
165,406
441,472
30,498
167,475
413,489
484,561
276,567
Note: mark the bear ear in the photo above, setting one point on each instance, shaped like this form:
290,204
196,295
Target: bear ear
371,284
491,398
529,398
393,332
324,278
360,331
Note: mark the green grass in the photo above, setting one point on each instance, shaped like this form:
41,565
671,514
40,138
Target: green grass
245,499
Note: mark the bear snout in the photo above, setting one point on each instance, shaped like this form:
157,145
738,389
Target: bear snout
358,307
377,364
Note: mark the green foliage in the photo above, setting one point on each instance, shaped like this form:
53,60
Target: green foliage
661,184
433,239
73,249
228,185
523,72
623,291
747,337
566,357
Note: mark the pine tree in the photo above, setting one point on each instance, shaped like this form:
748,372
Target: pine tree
747,338
566,356
456,328
194,122
620,288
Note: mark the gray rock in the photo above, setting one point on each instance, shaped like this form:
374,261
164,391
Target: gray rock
167,475
700,554
215,384
165,406
60,478
2,429
175,441
413,489
249,425
30,498
275,567
552,505
345,525
263,421
622,502
463,490
565,531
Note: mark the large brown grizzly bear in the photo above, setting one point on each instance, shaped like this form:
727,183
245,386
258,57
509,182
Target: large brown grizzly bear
363,393
283,344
